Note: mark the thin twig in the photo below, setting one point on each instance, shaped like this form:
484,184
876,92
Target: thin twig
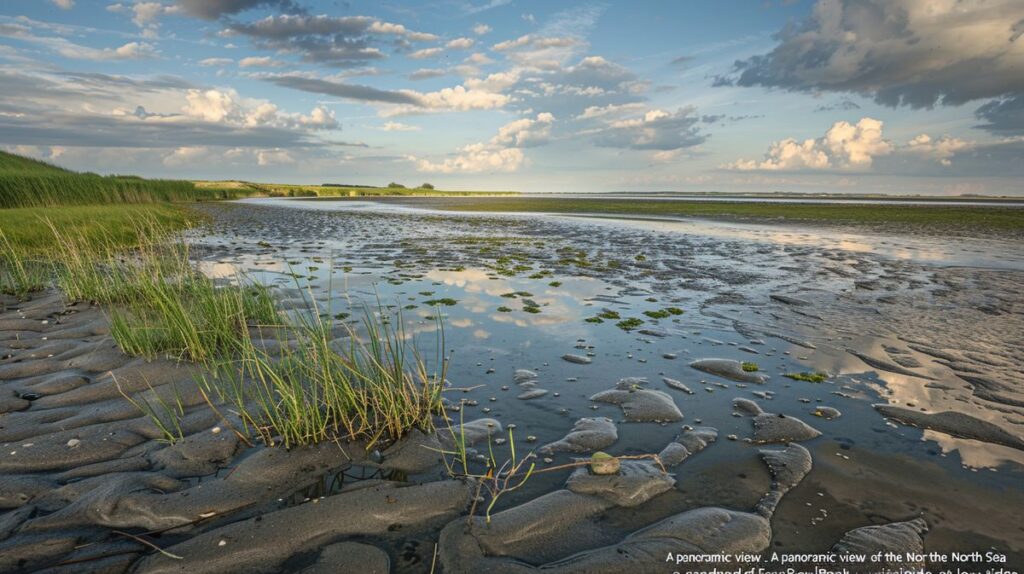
433,562
150,544
464,389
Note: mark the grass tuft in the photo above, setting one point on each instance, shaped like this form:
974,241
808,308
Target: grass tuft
20,275
808,376
629,324
377,386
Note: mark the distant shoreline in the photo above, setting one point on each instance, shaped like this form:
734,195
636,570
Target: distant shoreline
754,196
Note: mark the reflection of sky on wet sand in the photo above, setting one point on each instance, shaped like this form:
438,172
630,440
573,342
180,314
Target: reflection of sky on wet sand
915,392
975,454
482,293
481,336
965,252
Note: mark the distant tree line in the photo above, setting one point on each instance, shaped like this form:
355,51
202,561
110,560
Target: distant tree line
392,185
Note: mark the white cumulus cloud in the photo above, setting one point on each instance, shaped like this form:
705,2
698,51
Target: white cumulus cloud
941,150
476,158
260,62
425,53
460,44
399,127
503,153
844,146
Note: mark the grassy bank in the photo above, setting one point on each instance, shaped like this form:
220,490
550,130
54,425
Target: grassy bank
29,249
939,216
28,229
37,199
25,182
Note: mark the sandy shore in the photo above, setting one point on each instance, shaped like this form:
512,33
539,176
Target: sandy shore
915,432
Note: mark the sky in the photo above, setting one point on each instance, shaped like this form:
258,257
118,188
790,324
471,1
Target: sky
841,96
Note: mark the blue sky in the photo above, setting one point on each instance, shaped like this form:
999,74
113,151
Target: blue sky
892,96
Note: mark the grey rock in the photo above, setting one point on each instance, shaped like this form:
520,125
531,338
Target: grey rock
677,385
414,453
827,413
706,530
637,482
641,405
534,532
788,466
532,394
747,407
772,427
898,538
687,444
673,454
263,543
587,435
524,375
728,369
472,432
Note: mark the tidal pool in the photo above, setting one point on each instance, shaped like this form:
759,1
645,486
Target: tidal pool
798,385
924,323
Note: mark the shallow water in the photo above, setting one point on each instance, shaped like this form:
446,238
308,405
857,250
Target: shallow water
876,295
967,252
812,200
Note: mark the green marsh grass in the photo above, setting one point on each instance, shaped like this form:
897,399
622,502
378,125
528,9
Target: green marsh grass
20,275
60,189
629,323
159,303
376,387
26,182
196,320
30,229
808,376
311,389
165,414
942,217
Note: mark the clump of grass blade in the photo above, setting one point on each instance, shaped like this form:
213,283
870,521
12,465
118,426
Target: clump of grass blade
376,387
160,303
20,275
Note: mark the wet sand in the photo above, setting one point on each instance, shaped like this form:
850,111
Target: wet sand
902,332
